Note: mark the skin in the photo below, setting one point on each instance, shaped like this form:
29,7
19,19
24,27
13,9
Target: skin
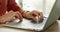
17,12
33,14
39,14
8,5
9,16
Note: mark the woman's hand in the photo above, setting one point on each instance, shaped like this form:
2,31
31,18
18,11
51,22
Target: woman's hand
10,16
39,14
33,14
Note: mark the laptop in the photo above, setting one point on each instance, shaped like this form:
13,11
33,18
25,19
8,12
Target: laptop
27,25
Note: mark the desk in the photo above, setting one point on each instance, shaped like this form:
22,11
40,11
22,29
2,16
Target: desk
53,28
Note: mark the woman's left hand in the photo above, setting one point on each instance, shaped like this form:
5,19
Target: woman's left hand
33,14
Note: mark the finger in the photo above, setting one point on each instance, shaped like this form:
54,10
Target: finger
38,13
8,16
30,16
34,13
19,16
41,14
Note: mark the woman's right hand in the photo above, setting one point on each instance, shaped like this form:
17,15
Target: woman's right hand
9,16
